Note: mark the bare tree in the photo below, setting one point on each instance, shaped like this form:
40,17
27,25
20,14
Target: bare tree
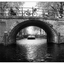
52,8
10,6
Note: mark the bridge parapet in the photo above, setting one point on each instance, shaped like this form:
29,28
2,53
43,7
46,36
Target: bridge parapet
26,12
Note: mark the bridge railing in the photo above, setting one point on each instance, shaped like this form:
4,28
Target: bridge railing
25,12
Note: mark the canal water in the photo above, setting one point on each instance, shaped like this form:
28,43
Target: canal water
39,51
36,50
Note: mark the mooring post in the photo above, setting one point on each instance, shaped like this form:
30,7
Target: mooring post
58,38
5,38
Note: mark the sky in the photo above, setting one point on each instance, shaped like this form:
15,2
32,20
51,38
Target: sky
29,4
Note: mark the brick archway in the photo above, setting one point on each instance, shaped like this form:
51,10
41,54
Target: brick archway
41,24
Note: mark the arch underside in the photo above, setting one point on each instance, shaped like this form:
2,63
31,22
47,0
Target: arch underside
50,32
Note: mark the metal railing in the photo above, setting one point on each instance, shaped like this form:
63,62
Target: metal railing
26,12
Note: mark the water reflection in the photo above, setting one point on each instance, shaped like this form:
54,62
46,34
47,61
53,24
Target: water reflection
35,49
40,51
36,52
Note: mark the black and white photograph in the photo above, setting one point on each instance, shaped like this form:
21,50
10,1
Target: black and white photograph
31,31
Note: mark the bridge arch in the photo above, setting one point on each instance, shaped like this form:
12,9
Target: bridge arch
50,32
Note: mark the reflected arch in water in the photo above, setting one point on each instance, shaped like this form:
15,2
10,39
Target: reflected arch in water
45,26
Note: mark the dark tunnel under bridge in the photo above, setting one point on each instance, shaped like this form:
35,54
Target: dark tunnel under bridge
52,36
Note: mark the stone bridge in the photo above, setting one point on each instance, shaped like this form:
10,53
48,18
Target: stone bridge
57,26
48,27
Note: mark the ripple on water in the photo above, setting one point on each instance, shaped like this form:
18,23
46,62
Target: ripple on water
35,48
